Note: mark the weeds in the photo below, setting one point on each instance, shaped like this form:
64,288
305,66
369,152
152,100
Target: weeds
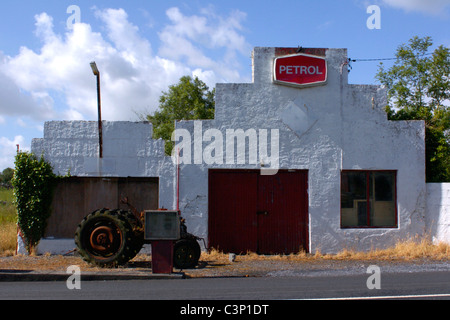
406,250
8,233
8,223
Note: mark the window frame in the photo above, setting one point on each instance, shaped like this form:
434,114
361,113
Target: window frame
367,200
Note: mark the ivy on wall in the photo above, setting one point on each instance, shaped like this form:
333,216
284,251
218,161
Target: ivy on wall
33,184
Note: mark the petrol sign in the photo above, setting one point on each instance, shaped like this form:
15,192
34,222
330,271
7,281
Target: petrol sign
300,70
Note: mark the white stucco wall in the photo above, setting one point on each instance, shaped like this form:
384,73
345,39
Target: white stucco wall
342,127
438,212
323,129
128,151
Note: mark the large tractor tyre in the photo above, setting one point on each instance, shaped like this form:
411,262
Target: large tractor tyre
186,253
104,238
138,232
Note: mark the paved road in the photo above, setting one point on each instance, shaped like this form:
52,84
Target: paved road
429,285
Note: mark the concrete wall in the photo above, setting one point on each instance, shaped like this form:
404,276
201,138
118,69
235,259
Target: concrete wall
128,151
323,129
337,126
438,211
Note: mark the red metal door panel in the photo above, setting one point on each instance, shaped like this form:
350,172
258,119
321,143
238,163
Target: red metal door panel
232,206
264,214
282,213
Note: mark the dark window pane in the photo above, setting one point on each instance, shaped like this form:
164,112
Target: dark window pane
384,186
368,195
362,213
384,206
354,188
353,199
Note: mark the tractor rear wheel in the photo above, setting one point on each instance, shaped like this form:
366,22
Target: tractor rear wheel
105,237
186,253
138,232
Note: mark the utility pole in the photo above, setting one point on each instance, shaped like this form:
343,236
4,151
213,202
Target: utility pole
99,103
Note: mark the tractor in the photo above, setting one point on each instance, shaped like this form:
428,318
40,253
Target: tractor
110,238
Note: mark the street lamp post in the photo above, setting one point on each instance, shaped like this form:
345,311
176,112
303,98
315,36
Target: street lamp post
99,103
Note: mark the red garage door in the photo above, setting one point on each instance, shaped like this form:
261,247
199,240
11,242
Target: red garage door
263,214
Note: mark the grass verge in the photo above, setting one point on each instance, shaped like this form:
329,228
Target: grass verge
8,224
408,250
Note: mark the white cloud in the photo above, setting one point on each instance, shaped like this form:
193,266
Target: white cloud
428,6
8,150
188,36
56,82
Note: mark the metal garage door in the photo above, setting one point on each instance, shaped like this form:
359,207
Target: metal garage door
263,214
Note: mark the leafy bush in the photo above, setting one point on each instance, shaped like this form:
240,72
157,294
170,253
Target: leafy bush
33,183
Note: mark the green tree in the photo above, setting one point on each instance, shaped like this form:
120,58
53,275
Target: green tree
33,184
189,99
6,175
419,89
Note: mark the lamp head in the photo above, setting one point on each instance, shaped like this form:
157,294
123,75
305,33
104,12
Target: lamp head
94,68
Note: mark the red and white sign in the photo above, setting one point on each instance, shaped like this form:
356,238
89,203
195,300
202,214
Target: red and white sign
300,70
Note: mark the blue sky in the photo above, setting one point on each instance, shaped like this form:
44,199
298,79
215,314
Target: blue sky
142,47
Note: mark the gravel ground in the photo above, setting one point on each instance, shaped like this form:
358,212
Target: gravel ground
243,266
312,268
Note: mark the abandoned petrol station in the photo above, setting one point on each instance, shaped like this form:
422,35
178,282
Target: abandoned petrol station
296,160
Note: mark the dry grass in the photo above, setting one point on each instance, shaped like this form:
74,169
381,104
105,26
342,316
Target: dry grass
411,250
8,234
41,262
8,226
403,251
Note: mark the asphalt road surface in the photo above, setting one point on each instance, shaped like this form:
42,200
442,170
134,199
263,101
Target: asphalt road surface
417,285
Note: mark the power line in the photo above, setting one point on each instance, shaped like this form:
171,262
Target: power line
382,59
350,60
378,59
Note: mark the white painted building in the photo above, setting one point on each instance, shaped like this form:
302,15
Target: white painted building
323,168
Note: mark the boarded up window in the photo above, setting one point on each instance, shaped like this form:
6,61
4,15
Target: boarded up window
76,197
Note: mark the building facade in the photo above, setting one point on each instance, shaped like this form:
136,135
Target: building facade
286,164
